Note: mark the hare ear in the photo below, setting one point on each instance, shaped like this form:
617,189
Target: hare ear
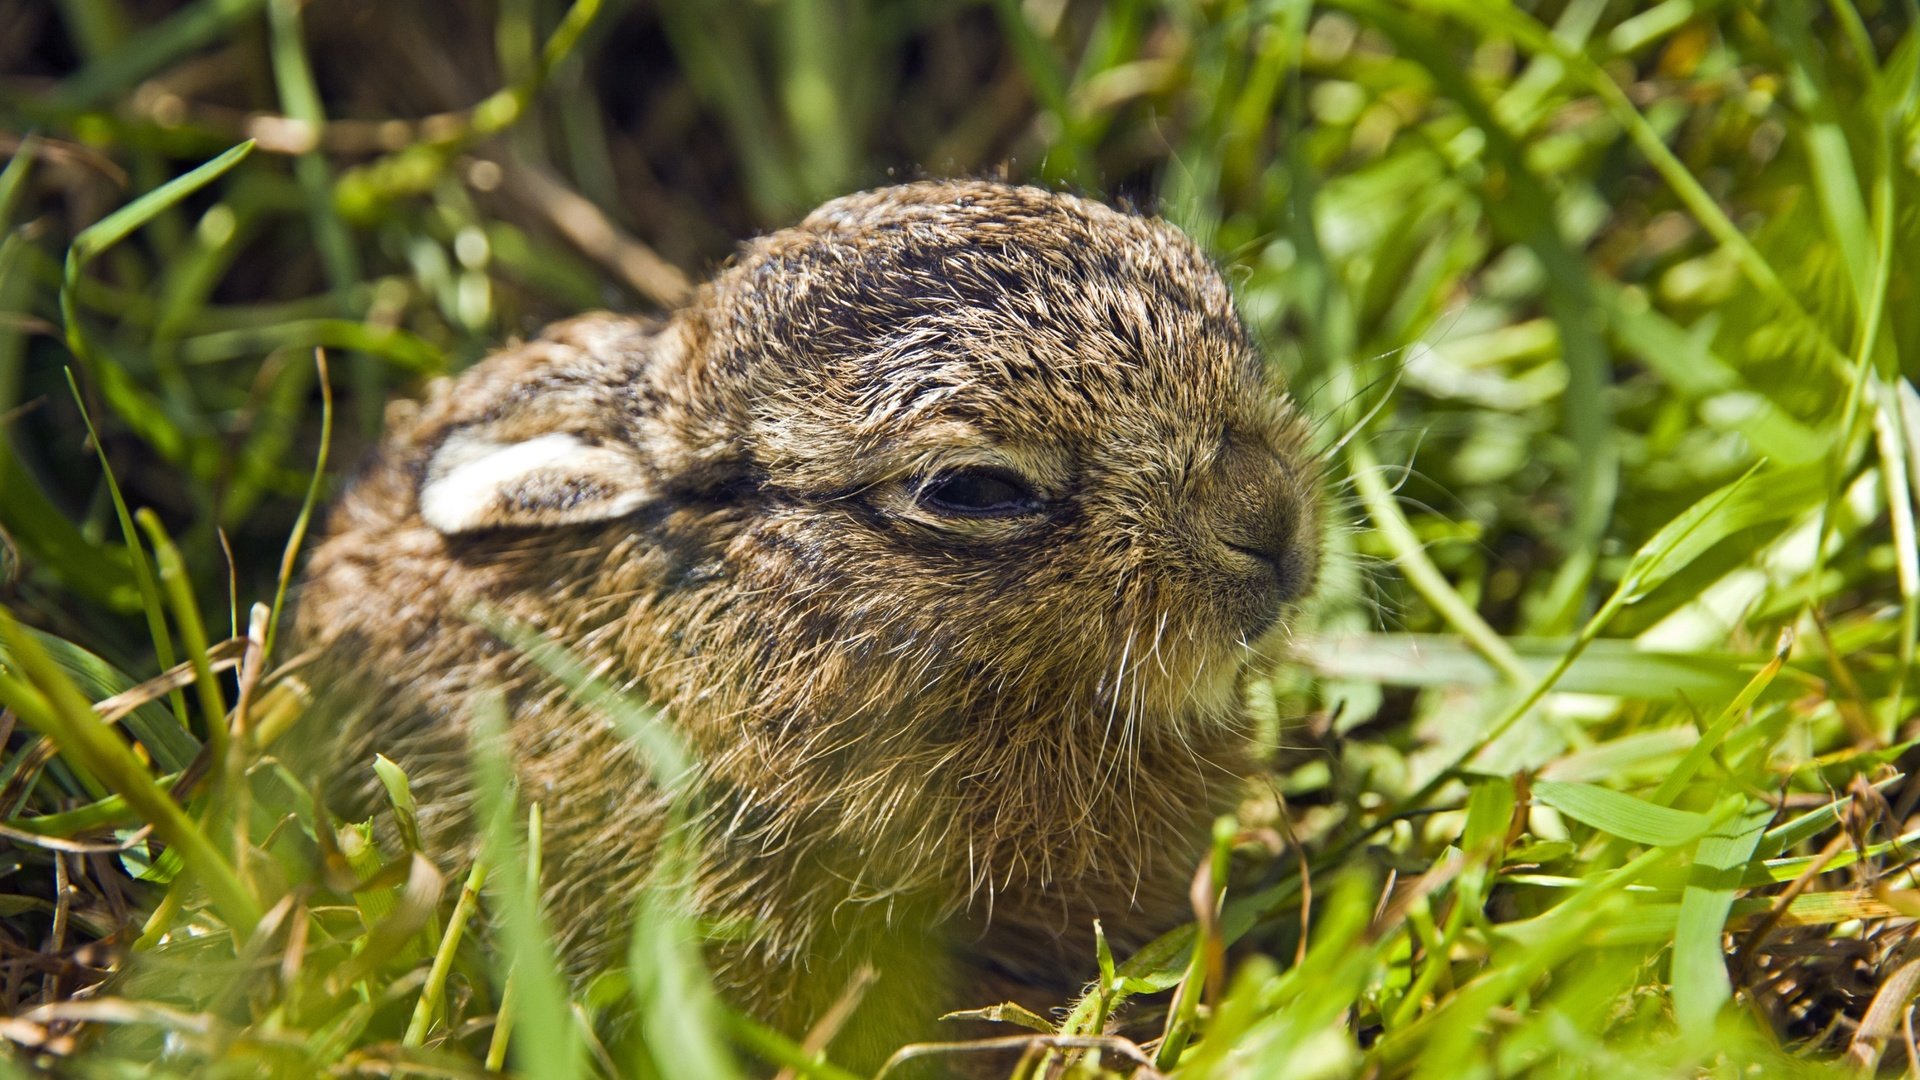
475,483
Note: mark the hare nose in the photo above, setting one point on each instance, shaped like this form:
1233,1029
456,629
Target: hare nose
1260,524
1277,554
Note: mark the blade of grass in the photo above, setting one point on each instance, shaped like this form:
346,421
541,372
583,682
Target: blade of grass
1421,573
362,191
171,746
546,1042
1899,443
298,536
1620,814
677,1004
1611,667
150,50
150,602
193,634
120,224
140,409
300,98
13,180
1700,985
407,351
434,992
1659,558
1710,739
707,48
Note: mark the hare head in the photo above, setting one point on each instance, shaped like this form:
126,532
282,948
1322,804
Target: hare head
995,448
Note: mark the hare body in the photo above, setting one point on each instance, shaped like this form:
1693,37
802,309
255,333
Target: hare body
943,527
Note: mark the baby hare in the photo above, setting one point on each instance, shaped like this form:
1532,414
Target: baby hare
944,527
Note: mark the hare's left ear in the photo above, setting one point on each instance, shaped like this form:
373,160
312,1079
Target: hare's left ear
475,482
544,435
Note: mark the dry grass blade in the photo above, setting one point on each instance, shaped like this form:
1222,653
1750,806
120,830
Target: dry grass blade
588,228
1890,1004
1142,1064
221,656
123,1011
78,847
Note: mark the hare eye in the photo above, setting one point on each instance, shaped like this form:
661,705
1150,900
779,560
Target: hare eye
977,492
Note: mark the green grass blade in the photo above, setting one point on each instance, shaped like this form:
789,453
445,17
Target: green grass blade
13,179
1688,536
298,536
143,579
1622,815
146,52
427,1009
546,1041
1420,570
1710,739
193,634
120,224
148,416
1700,985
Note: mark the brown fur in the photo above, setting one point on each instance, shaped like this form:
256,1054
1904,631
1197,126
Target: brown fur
945,745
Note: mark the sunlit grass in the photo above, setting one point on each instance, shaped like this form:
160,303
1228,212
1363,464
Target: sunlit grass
1596,746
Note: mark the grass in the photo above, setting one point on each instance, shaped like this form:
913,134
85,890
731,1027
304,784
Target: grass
1597,749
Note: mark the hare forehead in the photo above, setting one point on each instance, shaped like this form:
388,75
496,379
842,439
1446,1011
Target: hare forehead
1106,346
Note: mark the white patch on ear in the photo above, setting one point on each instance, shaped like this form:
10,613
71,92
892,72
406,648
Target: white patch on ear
475,483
